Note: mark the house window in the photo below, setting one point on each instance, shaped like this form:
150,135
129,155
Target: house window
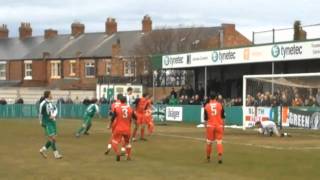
55,69
90,69
27,70
128,68
72,68
2,71
108,67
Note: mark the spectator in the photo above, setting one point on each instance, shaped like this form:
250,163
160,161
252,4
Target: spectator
60,101
19,101
197,100
318,97
297,101
69,100
86,101
173,93
173,100
77,100
3,101
103,100
182,91
189,91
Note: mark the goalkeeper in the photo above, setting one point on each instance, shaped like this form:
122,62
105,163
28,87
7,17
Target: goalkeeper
269,128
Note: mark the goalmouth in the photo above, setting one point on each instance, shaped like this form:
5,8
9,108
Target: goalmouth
268,96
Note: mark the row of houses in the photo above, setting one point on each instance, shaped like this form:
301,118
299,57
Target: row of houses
77,60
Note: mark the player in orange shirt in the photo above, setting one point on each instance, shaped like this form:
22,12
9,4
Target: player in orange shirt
122,119
148,116
141,107
114,105
214,115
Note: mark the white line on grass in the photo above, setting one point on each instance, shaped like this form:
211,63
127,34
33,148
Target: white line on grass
243,144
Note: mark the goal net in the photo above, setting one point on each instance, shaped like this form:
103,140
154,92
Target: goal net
291,100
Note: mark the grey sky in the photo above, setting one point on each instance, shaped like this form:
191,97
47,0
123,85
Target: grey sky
248,15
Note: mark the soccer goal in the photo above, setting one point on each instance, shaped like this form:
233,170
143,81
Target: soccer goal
291,100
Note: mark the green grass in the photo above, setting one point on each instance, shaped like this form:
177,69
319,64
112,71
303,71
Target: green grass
175,151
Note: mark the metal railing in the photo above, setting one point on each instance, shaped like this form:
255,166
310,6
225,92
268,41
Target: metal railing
284,34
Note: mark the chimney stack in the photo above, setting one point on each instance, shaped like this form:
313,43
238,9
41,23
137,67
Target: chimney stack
146,24
50,33
229,28
111,26
4,32
77,29
25,30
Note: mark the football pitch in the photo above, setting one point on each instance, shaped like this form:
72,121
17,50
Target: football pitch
175,151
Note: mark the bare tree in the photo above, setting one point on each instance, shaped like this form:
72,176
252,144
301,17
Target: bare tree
166,40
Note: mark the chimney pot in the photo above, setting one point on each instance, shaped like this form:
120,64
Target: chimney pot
25,30
4,32
77,29
111,26
146,24
50,33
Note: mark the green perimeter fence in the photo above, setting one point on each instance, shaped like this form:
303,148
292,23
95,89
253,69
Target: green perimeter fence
190,113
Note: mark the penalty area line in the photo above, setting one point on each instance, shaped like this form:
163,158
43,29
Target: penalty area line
241,144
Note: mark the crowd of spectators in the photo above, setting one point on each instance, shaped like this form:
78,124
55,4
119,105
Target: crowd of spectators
285,97
281,97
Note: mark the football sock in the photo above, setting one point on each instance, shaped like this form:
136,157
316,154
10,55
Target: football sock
142,132
109,146
115,148
134,134
88,128
220,149
53,145
209,150
128,151
80,131
48,144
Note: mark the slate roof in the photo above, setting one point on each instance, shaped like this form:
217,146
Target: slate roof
86,45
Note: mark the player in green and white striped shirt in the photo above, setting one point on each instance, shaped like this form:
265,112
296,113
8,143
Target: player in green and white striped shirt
48,113
91,110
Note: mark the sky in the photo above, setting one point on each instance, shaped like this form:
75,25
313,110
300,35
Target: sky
248,15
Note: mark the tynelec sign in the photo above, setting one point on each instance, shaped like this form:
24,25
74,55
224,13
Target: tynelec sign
265,53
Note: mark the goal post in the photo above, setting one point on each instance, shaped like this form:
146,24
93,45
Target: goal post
272,96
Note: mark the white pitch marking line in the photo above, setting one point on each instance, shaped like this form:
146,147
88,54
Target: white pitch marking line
243,144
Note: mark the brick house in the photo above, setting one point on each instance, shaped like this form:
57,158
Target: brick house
77,60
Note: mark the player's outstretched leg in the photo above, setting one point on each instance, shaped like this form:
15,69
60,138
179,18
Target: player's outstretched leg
86,132
81,130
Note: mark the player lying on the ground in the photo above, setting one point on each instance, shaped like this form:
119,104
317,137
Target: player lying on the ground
269,128
141,107
214,115
122,118
114,105
48,113
91,110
